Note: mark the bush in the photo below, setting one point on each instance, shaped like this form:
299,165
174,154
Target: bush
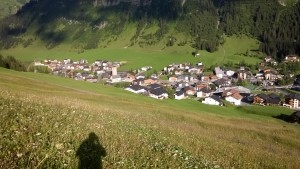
38,69
11,63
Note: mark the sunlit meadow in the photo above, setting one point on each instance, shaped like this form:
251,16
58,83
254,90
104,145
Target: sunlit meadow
45,119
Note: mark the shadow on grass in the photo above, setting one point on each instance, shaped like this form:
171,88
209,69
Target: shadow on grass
285,118
90,153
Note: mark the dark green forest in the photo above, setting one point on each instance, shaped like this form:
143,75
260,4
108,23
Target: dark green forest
205,22
277,27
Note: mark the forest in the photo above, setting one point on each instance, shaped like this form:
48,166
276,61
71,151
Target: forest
205,22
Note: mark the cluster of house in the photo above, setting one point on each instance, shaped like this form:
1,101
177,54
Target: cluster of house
188,81
271,75
185,79
83,71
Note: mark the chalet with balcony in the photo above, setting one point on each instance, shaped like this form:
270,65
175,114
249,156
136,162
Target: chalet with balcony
138,81
243,73
270,74
291,58
264,99
219,72
233,96
293,100
204,92
189,90
222,82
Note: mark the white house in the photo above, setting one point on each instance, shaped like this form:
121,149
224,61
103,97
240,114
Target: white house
199,64
195,70
189,90
235,99
67,61
145,68
204,92
179,95
213,100
86,68
158,93
219,72
136,89
230,73
38,63
98,62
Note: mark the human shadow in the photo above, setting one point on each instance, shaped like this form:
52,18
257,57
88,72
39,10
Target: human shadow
90,153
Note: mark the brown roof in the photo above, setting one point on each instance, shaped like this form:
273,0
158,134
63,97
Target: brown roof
237,96
229,92
189,88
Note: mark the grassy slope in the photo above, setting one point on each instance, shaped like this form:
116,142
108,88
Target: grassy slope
137,132
155,56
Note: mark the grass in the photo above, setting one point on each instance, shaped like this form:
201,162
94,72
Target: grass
136,57
45,119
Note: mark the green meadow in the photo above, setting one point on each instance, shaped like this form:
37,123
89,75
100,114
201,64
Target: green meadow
235,49
46,119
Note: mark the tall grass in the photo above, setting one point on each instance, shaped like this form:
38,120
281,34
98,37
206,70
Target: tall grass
43,124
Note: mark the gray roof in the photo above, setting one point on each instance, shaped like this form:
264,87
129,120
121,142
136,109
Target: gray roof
137,87
179,93
205,90
154,86
263,96
217,98
222,81
158,91
293,96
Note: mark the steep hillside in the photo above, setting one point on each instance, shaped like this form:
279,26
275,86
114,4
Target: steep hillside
133,131
201,24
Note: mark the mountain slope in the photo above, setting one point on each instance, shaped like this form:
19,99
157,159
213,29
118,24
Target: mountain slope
198,23
88,26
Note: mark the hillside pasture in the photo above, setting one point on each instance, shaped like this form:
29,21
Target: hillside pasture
234,50
45,119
